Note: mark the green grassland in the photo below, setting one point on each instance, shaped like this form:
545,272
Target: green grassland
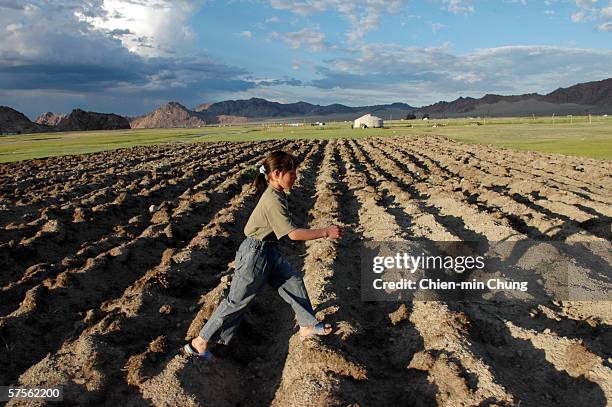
578,136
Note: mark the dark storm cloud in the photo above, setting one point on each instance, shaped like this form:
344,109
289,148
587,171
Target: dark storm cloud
278,82
91,78
12,4
53,47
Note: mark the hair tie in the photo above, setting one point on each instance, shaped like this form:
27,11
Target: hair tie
262,170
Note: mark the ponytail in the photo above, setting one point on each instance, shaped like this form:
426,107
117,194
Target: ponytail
261,183
277,160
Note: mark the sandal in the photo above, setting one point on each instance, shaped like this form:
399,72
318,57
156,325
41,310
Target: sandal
319,330
189,350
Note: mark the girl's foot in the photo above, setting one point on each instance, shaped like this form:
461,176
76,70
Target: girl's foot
206,356
198,347
319,329
199,344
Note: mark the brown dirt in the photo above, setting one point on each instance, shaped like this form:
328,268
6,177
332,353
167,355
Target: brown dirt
113,260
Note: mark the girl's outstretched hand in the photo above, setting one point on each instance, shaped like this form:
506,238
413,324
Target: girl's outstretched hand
334,232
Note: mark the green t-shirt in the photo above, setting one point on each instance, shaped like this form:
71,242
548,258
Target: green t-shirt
271,214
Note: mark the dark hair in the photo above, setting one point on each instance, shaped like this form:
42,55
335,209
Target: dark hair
277,160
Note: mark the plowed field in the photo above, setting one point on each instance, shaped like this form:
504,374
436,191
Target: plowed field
111,261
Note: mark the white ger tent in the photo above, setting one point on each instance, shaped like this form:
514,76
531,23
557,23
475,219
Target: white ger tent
367,121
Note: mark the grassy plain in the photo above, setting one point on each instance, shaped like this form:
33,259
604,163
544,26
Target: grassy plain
578,136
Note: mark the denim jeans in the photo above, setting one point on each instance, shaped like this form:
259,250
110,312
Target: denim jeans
258,262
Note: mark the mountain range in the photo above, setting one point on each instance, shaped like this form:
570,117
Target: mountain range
14,122
173,114
589,97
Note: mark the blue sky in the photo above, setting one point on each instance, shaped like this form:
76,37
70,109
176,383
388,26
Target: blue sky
130,56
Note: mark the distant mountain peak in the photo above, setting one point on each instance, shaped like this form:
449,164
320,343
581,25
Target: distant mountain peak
572,100
172,114
81,120
50,118
176,105
12,121
262,108
15,122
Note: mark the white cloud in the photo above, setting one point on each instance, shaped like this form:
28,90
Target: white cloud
303,8
435,27
459,6
245,34
549,12
156,27
364,15
579,17
309,38
588,10
586,3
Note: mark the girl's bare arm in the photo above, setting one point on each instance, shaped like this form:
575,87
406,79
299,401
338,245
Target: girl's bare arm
333,232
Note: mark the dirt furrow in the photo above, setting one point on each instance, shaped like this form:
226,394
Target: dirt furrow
375,335
106,224
485,324
41,183
412,210
528,217
549,183
460,219
494,230
540,365
567,172
411,183
24,217
183,217
314,370
257,353
522,217
446,373
75,200
553,202
456,374
57,304
91,195
105,315
485,228
42,175
155,307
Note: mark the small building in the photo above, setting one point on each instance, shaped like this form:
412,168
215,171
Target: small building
367,121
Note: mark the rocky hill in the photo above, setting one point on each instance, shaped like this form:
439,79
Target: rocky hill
80,120
261,108
590,93
594,97
14,122
172,114
50,119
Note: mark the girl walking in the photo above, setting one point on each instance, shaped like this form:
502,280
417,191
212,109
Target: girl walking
258,260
